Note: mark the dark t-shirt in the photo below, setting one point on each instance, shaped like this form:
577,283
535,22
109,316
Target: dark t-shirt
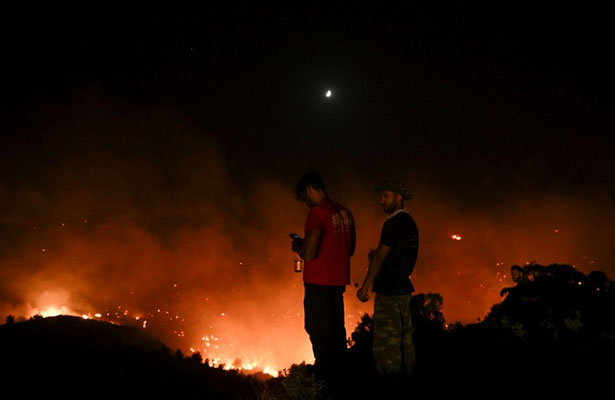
401,234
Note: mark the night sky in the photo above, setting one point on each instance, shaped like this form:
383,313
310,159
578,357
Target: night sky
468,96
183,132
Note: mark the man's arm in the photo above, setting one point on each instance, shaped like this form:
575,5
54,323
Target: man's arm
309,247
375,266
353,242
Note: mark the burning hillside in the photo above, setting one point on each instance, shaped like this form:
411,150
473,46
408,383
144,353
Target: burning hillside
167,236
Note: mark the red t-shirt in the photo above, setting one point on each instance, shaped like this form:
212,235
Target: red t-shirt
332,264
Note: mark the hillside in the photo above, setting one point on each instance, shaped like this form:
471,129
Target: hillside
552,336
72,357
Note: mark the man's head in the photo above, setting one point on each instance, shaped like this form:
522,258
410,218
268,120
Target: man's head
310,189
392,196
516,273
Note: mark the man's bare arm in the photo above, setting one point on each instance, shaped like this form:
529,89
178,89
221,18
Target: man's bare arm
310,247
375,266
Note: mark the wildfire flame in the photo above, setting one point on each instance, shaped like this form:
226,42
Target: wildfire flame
207,283
216,361
52,311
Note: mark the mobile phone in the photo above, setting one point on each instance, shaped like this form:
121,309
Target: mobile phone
294,236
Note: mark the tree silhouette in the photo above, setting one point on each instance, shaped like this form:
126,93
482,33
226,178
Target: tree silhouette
548,339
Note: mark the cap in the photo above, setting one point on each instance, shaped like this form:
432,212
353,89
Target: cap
394,186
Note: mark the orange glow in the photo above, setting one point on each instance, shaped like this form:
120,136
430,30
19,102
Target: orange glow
227,289
51,311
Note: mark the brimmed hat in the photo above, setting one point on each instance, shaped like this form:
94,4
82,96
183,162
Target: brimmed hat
396,187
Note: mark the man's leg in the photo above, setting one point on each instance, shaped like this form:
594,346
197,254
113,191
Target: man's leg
408,353
337,364
324,323
387,335
312,304
339,328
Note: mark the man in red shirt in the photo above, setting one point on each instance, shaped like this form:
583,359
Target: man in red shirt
328,245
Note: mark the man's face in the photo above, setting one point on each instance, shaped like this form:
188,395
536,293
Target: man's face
308,197
515,274
388,201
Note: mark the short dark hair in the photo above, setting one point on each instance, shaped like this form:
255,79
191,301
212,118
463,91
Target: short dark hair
311,179
516,267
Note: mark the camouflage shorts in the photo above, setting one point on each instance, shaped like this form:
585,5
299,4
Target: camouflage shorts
393,346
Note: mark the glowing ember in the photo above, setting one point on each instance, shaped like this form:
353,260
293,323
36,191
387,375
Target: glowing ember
456,237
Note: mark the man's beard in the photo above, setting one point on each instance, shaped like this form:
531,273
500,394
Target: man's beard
389,209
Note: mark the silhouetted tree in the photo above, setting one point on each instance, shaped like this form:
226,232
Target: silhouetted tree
362,337
196,358
427,311
301,384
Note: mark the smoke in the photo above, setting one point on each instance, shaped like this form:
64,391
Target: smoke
141,218
546,228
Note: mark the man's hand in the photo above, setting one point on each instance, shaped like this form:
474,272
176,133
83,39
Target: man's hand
362,294
297,245
376,258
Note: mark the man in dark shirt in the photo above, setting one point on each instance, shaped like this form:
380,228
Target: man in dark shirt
389,271
516,274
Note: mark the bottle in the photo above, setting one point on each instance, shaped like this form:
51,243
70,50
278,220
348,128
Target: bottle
298,263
